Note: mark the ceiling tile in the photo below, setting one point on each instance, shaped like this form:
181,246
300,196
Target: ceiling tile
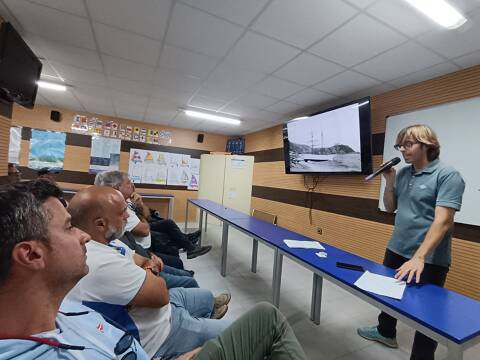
227,82
258,53
240,12
52,24
257,101
63,100
187,62
198,31
160,115
276,88
126,45
454,43
206,103
361,3
426,74
402,16
134,87
346,83
308,70
71,6
302,22
127,69
358,40
403,60
185,122
147,18
48,70
74,75
284,107
168,79
40,100
180,98
310,97
93,91
125,99
129,112
95,104
468,60
69,55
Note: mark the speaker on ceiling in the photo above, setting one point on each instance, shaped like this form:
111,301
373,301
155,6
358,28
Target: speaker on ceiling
55,115
200,138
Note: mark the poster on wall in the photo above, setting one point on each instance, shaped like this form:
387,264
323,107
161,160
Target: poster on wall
143,135
178,169
194,180
148,167
47,149
80,123
136,134
104,154
114,133
14,145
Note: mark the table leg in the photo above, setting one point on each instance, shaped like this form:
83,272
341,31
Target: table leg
254,255
277,277
223,270
200,225
206,221
170,207
186,217
455,351
316,305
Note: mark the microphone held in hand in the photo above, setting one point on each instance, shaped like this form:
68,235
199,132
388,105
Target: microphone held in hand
385,166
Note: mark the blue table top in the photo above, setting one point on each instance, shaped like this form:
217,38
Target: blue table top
446,312
219,210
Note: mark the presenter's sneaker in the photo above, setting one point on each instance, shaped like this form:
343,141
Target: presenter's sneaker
198,251
371,333
220,312
222,299
194,237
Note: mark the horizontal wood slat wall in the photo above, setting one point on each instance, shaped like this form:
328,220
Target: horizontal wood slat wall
4,139
77,152
357,233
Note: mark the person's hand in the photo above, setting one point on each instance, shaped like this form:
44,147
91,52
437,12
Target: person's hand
389,176
190,355
152,266
136,199
158,262
412,268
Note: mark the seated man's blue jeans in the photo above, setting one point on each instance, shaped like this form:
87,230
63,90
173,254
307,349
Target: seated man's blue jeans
191,325
178,278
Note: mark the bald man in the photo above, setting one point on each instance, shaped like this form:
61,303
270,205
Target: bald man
169,322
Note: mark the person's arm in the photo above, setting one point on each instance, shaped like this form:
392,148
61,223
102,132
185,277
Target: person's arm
153,293
148,264
389,197
143,211
189,355
442,223
142,228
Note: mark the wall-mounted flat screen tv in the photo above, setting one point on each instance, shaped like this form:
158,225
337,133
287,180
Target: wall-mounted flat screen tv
19,68
337,140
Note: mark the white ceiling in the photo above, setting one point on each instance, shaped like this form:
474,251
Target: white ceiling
263,60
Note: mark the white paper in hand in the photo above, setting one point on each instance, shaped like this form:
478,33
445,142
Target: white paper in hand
381,285
303,244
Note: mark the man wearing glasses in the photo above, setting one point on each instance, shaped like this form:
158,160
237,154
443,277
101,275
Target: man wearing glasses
426,194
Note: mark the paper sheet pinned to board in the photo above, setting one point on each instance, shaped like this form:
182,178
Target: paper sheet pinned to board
303,244
381,285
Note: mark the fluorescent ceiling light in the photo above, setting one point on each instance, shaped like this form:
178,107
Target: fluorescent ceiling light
212,117
439,11
51,86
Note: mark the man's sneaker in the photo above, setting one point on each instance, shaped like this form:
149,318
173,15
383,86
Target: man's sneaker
220,312
194,237
222,299
198,251
371,333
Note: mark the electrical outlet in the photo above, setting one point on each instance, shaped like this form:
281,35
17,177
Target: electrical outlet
319,231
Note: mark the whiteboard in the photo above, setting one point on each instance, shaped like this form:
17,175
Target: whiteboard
457,125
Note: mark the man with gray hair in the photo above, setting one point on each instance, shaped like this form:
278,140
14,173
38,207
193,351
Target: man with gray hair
138,222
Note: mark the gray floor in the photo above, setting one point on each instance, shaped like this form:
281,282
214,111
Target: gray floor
335,337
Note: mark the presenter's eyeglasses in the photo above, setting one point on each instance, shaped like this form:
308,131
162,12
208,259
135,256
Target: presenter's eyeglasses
405,145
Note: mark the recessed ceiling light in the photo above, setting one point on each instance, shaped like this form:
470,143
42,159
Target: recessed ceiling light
439,11
51,85
212,117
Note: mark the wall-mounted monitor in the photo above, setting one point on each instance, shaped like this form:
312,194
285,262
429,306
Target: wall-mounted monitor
19,68
337,140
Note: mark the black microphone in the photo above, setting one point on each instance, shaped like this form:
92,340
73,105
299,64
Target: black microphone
385,166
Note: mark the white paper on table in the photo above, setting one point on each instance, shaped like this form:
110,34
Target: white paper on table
381,285
303,244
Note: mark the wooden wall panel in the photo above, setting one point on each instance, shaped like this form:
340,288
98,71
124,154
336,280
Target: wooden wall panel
362,236
272,174
4,141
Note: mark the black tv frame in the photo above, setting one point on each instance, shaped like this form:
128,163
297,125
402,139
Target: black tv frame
365,140
6,30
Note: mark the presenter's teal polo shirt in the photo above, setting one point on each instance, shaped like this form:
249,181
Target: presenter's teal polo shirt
417,196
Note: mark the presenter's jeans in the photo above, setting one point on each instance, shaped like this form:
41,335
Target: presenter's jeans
262,332
423,347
